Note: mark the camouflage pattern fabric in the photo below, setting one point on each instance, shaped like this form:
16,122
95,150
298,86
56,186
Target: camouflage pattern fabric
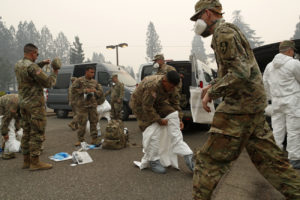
31,82
239,78
79,89
83,115
150,102
86,108
72,102
116,93
230,134
8,108
114,137
163,70
239,120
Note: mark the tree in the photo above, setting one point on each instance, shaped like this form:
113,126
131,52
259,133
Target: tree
62,48
26,33
198,49
153,43
98,57
46,45
246,30
297,31
77,55
6,74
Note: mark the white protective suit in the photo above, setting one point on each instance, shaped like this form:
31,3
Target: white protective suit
282,83
164,143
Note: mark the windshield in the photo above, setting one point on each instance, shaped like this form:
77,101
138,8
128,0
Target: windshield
125,78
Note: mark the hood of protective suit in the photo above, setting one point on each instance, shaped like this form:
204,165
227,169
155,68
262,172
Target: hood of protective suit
280,59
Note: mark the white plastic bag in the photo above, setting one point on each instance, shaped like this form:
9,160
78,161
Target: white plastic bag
105,107
198,113
12,144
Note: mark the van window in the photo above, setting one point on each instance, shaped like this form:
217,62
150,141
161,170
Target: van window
125,78
62,81
147,71
103,78
79,70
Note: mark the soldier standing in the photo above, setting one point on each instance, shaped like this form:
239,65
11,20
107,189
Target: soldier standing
72,102
163,68
151,102
9,109
88,92
31,82
116,93
239,121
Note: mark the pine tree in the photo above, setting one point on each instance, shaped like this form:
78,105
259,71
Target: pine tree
249,33
198,49
77,55
62,48
46,45
297,31
153,43
99,58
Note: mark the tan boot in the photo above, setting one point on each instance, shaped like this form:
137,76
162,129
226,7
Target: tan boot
77,144
35,164
26,163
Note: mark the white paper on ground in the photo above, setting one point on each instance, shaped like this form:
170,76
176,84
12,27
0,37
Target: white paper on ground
81,157
198,113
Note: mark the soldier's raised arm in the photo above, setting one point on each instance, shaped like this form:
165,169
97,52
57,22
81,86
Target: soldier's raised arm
41,77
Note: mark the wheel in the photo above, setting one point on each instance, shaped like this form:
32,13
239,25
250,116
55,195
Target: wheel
62,113
125,112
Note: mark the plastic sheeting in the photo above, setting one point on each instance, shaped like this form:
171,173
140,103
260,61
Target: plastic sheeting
198,113
13,144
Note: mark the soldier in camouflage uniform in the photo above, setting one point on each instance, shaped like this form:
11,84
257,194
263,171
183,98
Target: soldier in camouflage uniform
163,69
88,92
9,109
152,101
116,93
72,102
239,121
31,82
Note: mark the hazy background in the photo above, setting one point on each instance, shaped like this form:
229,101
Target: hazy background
99,23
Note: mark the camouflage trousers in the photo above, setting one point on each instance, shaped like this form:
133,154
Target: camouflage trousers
33,124
164,109
75,117
116,109
83,115
229,135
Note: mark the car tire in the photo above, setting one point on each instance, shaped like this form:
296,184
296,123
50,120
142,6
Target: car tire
125,112
62,113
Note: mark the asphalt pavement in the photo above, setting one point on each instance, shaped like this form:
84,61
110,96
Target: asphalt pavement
113,176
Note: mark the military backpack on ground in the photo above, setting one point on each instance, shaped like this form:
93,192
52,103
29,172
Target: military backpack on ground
114,136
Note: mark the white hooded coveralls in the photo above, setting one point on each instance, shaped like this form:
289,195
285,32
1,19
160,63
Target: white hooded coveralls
282,83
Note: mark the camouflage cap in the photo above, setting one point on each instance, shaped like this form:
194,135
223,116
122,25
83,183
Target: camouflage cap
114,74
73,79
286,44
159,57
56,63
214,5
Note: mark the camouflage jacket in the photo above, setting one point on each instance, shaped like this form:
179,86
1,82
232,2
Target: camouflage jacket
116,92
8,108
80,94
164,69
31,82
239,79
148,96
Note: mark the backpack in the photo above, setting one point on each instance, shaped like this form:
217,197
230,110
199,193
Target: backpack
115,137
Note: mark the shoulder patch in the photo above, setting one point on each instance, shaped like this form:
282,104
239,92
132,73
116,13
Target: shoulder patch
38,71
223,47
